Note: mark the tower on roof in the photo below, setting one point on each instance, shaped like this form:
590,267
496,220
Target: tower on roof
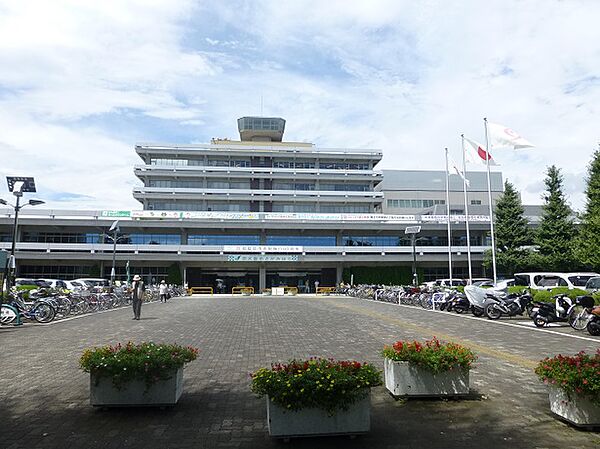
261,129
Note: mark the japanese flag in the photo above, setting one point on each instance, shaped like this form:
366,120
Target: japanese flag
475,153
502,136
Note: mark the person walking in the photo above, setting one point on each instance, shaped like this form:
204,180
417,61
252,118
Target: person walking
137,296
162,291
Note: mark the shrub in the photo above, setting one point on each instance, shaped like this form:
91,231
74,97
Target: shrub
316,383
146,361
574,374
434,355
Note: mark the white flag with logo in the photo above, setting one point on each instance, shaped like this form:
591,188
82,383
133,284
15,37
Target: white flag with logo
503,136
454,169
475,153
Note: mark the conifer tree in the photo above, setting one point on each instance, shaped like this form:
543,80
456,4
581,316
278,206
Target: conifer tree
587,245
512,233
555,234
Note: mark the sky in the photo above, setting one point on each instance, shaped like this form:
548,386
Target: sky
83,81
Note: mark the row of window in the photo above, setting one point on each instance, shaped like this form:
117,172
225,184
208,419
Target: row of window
245,207
250,239
414,204
186,184
246,163
420,204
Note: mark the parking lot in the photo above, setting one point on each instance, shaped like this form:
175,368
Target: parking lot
45,397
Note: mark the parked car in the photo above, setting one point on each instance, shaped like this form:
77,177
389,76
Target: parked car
93,282
55,283
593,284
550,280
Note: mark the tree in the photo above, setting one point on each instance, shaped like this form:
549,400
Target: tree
555,234
512,233
174,274
587,245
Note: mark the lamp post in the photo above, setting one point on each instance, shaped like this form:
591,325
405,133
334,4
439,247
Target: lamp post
413,231
114,228
17,185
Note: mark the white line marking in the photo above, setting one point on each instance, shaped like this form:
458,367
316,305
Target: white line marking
520,326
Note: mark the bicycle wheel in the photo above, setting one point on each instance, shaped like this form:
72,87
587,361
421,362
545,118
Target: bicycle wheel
578,318
43,313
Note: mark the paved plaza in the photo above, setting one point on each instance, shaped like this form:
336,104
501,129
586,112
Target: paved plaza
45,397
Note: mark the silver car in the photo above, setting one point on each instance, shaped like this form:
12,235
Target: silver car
593,284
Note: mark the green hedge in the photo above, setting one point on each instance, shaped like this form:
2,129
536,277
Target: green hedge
547,295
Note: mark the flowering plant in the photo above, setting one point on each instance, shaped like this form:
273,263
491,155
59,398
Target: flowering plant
146,361
434,355
574,374
326,384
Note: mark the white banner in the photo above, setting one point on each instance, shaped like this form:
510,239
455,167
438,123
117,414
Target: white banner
261,249
444,218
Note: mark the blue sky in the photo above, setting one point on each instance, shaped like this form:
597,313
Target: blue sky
82,81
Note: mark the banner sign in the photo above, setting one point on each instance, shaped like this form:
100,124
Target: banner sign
262,258
444,218
261,249
203,215
116,213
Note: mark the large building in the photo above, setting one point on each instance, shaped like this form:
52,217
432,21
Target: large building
260,212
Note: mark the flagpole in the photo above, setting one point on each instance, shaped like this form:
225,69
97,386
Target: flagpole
466,208
487,149
448,219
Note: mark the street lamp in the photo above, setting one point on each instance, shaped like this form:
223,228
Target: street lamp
114,228
413,231
17,185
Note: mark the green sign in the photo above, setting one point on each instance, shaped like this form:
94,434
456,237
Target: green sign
116,213
262,258
3,257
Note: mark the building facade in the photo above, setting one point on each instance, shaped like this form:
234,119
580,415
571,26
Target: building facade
260,212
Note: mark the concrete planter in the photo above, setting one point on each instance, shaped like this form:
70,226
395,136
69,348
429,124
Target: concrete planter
573,407
134,394
404,379
313,422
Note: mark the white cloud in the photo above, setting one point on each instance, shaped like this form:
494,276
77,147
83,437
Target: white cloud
407,77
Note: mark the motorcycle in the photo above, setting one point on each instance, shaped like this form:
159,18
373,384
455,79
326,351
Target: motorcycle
593,325
459,303
581,312
544,313
512,305
479,298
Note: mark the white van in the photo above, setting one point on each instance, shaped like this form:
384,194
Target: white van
549,280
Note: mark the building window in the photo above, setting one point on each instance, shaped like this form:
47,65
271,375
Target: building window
225,239
152,239
475,202
169,162
347,209
301,240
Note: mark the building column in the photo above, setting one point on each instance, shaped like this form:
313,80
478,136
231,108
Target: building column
339,270
262,278
183,270
263,237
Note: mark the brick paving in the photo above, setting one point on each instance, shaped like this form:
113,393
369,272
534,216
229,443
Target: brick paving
44,398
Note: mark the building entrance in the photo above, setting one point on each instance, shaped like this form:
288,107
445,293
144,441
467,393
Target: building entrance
221,280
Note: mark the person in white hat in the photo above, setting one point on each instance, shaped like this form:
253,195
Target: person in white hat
137,296
162,291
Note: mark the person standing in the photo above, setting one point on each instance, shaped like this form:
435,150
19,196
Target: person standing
317,286
162,291
137,296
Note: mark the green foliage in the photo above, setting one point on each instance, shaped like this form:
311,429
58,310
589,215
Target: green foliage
174,274
587,245
542,295
316,383
548,295
554,236
512,234
388,275
574,374
146,361
434,356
